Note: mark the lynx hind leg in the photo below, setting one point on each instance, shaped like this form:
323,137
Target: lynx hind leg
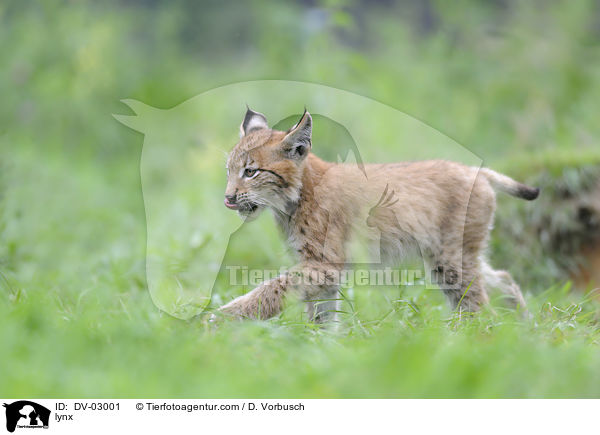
462,285
502,280
469,296
324,307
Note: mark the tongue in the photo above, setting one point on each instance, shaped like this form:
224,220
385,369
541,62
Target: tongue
230,205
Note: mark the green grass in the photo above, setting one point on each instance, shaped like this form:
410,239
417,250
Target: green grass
124,347
517,86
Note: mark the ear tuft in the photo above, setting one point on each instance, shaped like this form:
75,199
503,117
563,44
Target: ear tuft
252,121
298,141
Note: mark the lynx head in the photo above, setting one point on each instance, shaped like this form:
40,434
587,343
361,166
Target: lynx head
265,168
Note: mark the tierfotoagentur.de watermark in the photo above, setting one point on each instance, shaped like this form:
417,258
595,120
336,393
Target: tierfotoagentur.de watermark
346,277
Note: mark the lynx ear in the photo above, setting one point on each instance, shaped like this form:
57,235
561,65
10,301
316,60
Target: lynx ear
252,121
297,142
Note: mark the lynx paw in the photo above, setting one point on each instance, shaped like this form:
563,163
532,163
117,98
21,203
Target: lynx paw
238,308
260,303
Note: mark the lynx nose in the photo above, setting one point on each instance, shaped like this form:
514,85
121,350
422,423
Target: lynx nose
230,202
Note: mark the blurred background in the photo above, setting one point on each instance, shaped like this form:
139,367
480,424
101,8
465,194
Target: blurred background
517,83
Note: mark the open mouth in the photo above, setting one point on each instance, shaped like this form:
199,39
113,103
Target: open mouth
231,205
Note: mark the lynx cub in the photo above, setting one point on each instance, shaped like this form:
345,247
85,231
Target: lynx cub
441,210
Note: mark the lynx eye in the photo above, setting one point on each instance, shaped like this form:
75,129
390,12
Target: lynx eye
249,173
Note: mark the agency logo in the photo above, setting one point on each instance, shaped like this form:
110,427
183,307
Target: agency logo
26,414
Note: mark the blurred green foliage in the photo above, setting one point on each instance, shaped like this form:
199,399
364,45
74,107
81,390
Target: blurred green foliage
515,82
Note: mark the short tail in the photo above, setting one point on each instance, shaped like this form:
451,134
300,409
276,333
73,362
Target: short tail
510,186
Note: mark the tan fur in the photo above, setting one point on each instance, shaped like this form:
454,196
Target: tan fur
441,210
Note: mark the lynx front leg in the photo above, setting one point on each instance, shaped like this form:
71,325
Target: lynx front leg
320,290
263,302
324,307
315,283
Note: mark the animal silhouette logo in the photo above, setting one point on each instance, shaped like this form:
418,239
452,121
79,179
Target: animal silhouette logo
380,212
26,414
188,229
